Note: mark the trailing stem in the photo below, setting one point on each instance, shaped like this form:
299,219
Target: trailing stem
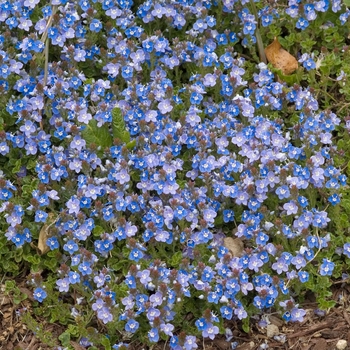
259,41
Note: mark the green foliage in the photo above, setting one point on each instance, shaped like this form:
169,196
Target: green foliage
246,325
119,127
12,290
97,135
176,259
39,330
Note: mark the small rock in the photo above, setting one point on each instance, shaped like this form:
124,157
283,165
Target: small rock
341,344
272,330
235,245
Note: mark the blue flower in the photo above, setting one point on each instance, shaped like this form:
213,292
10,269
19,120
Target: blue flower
105,315
174,340
40,216
127,72
249,28
133,207
153,335
95,25
280,266
297,314
213,297
303,276
259,303
253,204
196,98
309,64
131,326
287,316
130,282
39,294
334,199
73,277
226,312
342,179
201,324
18,240
346,249
135,255
52,243
261,238
232,285
4,148
327,267
221,39
283,192
303,201
71,247
5,194
266,20
85,268
180,213
302,23
228,215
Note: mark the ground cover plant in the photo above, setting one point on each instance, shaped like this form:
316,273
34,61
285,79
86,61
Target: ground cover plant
159,177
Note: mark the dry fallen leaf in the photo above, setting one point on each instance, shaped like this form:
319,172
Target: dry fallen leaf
280,58
276,321
44,235
235,245
77,346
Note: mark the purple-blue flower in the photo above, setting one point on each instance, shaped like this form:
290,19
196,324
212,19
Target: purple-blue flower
327,267
131,326
39,294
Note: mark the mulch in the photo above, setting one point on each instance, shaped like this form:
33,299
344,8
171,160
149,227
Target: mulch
314,333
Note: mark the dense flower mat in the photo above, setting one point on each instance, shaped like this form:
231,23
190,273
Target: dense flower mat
137,137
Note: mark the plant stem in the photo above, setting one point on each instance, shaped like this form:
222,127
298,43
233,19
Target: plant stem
48,25
46,66
258,35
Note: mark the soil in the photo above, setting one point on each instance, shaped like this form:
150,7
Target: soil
314,333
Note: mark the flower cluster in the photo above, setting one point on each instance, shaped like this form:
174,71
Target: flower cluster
214,153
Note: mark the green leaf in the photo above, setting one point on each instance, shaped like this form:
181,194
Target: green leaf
51,264
6,117
176,259
98,231
65,338
119,127
131,144
105,342
33,259
98,135
9,286
118,265
323,282
289,79
219,220
73,330
181,183
326,304
18,298
18,255
246,324
17,167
